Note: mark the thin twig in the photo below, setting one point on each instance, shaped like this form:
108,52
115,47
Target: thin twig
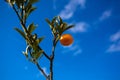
38,66
22,23
44,53
52,58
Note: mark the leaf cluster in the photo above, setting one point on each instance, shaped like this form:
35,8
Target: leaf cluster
32,41
24,7
57,26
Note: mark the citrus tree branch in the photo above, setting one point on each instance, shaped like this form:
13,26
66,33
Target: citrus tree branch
23,8
21,21
52,58
25,29
42,71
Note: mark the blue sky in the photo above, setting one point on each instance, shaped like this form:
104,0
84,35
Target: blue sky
94,55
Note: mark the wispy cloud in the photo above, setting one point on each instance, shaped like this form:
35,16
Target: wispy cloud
115,46
74,48
77,52
70,8
115,37
105,15
80,27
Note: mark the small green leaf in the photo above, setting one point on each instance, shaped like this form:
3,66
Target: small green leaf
32,9
21,32
19,3
48,21
60,20
64,25
31,28
54,20
36,43
39,40
34,36
37,54
51,26
11,2
35,47
28,10
69,27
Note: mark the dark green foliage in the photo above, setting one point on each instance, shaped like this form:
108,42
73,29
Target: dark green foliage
23,8
58,26
36,54
21,32
31,28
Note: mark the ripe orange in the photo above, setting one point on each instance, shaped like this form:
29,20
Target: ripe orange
66,39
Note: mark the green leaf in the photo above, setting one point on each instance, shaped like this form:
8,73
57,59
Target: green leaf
32,9
35,47
29,10
39,40
60,19
11,2
27,7
37,54
48,21
69,27
19,2
54,20
21,32
36,43
31,28
34,36
51,26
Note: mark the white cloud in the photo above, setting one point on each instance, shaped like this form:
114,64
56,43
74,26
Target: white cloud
115,37
79,27
77,52
106,14
70,8
74,48
115,46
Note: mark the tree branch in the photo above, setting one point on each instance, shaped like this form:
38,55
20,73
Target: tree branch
38,66
44,53
52,58
25,29
21,21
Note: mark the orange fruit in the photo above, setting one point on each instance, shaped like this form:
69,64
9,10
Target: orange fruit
66,39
